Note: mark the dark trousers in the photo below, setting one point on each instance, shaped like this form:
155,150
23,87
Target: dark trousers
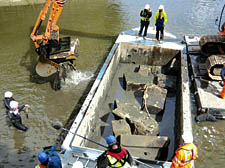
161,29
144,24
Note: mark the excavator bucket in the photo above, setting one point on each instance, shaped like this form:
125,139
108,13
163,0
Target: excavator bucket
54,53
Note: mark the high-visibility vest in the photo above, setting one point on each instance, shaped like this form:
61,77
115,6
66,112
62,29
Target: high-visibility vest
162,16
117,159
184,155
40,166
144,18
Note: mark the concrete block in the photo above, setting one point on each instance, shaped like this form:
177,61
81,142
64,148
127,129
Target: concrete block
149,147
135,81
154,99
147,70
166,81
141,123
121,127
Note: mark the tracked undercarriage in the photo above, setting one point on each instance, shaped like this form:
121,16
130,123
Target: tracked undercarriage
213,47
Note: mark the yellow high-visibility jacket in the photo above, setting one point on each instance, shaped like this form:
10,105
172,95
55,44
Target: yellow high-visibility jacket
162,18
184,155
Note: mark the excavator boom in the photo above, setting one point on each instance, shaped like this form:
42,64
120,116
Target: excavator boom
52,50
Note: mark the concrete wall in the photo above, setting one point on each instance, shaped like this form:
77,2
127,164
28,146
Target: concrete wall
183,125
20,2
86,117
146,54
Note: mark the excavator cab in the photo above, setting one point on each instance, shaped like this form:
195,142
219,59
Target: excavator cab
56,55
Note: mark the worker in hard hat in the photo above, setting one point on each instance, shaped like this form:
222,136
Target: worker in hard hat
145,14
160,22
43,159
115,156
185,153
8,97
14,115
49,158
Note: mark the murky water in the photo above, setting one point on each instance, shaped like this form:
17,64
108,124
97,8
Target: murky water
96,23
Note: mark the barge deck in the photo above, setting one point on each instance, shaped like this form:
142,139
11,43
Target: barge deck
143,86
207,91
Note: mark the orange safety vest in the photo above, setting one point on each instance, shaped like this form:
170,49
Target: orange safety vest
184,155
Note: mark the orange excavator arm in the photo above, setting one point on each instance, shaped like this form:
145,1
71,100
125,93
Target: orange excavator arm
56,10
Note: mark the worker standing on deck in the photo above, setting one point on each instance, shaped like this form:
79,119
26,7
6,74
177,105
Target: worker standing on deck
115,156
185,153
145,20
160,22
222,73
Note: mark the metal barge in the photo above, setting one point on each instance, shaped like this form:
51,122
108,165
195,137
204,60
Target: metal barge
143,88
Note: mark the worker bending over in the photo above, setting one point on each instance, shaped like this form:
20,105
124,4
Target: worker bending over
115,156
49,158
185,153
145,20
160,22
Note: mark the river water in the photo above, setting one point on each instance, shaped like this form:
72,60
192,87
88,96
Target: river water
96,23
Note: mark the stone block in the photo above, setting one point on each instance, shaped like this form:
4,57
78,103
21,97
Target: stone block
135,81
154,99
141,122
149,147
121,127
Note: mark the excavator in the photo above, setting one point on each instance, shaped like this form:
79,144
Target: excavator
56,55
213,47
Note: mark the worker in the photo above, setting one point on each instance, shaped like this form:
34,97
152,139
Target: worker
205,116
43,159
115,156
14,115
8,97
222,73
145,14
49,158
185,153
160,22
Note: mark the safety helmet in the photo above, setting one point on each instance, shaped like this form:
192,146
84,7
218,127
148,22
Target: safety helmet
147,6
42,157
14,104
78,164
187,138
161,7
8,94
110,139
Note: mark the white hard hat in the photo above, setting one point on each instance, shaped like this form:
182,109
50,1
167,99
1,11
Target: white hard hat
147,6
187,138
14,104
8,94
161,7
78,164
